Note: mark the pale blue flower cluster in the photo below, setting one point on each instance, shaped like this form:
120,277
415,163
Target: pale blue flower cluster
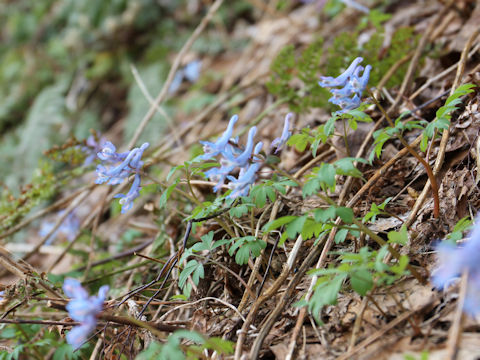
68,228
92,148
233,158
453,261
116,167
84,309
280,142
353,84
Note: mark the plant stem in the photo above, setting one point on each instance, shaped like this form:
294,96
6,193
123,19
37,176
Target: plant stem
391,249
428,169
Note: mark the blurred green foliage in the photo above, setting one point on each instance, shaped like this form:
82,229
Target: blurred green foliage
65,68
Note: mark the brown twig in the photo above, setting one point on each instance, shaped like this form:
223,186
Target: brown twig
456,327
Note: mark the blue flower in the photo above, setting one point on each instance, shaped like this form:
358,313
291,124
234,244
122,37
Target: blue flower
127,200
131,163
241,186
191,72
242,159
68,228
278,143
116,174
83,309
353,85
92,148
454,260
233,157
341,80
109,153
213,149
79,334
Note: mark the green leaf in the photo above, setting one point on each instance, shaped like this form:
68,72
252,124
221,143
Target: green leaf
326,293
312,186
192,267
300,141
311,228
220,345
326,174
323,215
239,211
246,246
361,281
205,244
275,224
346,214
166,195
346,167
400,237
340,236
295,227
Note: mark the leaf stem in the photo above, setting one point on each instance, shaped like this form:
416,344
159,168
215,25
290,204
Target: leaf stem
428,169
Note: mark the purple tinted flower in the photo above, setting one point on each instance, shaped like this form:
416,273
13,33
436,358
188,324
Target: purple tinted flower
116,174
241,186
83,309
79,334
92,148
192,70
233,157
349,96
341,80
454,260
176,82
109,153
278,143
213,149
68,228
219,175
127,200
73,289
131,163
242,159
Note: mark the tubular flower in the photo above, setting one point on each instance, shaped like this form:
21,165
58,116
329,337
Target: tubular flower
83,309
453,261
233,157
213,149
278,143
353,84
130,163
127,200
241,186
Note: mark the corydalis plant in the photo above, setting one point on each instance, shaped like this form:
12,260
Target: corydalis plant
353,85
280,142
130,163
232,158
453,261
84,309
